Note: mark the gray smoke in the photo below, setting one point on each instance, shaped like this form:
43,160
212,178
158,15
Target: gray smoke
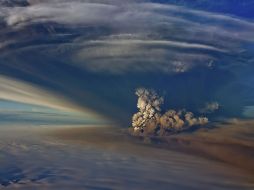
210,107
149,120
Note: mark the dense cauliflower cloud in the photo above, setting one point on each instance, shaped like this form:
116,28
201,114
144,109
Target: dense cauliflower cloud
151,121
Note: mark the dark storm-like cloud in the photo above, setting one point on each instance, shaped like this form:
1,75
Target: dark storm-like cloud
96,53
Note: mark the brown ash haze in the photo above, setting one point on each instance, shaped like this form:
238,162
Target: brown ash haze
126,94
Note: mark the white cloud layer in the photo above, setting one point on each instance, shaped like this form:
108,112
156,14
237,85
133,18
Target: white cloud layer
140,36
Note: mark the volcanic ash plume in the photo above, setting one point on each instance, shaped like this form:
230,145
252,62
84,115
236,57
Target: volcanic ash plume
210,107
150,121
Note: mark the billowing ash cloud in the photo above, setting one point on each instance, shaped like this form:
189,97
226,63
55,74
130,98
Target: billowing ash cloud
151,121
210,107
149,109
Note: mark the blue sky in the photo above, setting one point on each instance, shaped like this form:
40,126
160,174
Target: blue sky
238,8
91,57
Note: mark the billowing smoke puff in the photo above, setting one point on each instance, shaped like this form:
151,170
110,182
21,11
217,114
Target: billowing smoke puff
149,108
150,121
210,107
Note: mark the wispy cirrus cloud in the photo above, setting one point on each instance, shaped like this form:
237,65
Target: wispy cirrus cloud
144,32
